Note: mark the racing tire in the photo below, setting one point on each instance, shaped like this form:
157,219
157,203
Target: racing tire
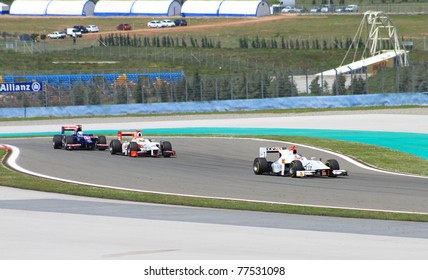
102,140
166,145
260,166
115,147
133,146
69,139
57,142
334,165
295,165
269,166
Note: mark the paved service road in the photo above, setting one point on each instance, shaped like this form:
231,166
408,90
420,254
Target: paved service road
219,167
48,226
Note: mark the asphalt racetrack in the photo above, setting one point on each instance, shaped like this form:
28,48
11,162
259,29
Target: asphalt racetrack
222,167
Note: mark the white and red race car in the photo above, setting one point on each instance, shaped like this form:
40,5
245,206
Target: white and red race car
290,163
139,146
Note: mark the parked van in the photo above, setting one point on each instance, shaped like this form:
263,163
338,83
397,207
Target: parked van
72,32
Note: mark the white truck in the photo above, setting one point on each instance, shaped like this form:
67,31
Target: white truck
56,35
73,32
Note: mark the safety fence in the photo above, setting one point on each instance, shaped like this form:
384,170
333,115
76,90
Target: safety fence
157,87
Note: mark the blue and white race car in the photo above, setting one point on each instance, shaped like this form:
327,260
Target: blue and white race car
78,140
290,163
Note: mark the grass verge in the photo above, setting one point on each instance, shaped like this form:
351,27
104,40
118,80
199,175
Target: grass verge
23,181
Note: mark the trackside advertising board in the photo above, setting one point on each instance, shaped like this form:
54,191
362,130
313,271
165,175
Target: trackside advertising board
21,87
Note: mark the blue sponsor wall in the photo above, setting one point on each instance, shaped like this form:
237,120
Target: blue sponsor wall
66,80
342,101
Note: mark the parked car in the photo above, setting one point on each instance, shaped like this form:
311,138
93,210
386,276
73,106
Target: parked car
154,24
327,8
339,9
167,23
92,28
315,9
57,35
287,9
299,9
81,28
351,8
124,26
180,22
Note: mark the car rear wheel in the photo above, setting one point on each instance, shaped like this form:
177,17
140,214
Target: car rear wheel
57,142
102,140
115,147
166,146
260,166
334,165
295,166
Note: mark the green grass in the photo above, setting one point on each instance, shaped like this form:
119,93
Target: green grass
365,153
304,26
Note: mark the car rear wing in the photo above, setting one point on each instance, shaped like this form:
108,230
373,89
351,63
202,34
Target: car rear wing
274,150
269,150
74,128
134,134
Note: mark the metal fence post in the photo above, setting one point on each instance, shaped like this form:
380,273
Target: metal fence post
322,83
216,88
307,81
200,88
397,79
185,89
262,85
246,85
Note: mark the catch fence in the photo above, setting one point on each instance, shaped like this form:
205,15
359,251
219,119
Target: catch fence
161,86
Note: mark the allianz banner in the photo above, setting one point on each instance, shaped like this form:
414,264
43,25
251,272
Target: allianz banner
21,87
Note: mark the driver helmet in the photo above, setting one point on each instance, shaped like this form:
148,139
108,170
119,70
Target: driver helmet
79,133
296,155
139,136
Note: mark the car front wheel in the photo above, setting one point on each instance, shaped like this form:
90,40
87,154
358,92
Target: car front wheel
334,165
295,165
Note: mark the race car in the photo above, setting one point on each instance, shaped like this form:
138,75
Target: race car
139,146
78,140
292,164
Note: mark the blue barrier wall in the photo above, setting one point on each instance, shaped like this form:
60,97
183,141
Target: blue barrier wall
342,101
